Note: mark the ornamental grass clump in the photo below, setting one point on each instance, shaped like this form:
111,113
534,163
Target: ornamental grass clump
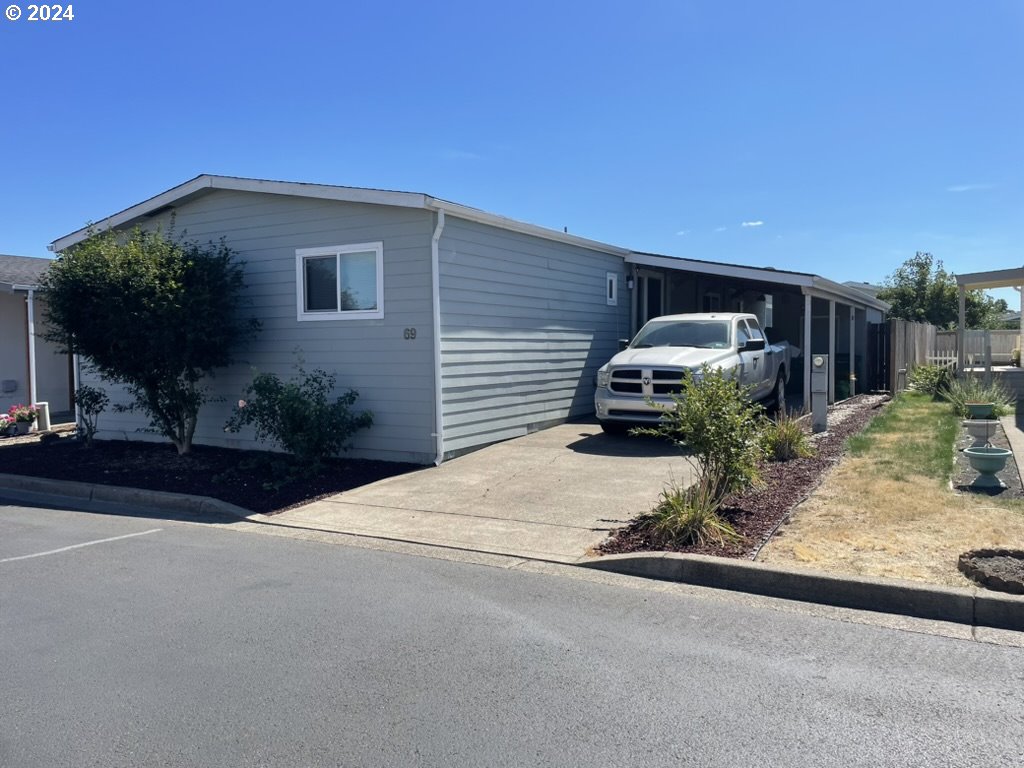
969,389
785,438
689,516
300,417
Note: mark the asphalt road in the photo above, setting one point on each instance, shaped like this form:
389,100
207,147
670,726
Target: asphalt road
190,645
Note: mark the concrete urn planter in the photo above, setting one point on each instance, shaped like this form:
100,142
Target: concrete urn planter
987,462
981,410
980,430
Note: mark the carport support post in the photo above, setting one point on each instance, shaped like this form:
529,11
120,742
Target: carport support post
853,351
807,351
832,350
962,312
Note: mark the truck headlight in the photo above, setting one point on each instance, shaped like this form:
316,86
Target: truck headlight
603,377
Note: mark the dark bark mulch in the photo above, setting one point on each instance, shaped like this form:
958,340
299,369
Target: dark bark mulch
757,512
234,476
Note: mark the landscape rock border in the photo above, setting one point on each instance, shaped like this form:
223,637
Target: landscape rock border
972,565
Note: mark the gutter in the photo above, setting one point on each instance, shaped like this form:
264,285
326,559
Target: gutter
435,279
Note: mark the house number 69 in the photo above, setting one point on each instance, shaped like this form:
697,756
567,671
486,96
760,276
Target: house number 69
409,333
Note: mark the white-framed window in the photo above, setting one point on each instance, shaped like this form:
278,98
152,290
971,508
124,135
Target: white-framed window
340,282
712,302
612,289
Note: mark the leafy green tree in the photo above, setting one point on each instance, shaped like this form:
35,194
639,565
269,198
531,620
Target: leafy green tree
155,314
922,290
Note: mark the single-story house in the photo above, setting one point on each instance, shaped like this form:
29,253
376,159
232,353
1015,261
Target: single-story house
31,368
458,327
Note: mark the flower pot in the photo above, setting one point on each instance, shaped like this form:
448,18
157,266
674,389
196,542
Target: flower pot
22,427
981,430
981,410
987,462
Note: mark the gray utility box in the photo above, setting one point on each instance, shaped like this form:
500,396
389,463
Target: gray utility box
819,392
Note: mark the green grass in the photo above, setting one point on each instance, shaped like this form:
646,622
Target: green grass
914,435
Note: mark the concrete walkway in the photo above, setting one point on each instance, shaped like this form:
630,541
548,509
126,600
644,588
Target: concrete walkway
551,495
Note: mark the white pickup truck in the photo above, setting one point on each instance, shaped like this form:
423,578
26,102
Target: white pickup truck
651,367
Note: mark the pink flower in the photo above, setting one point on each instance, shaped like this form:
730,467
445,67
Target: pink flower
241,403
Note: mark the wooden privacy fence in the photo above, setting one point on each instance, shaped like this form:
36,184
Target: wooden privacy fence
896,346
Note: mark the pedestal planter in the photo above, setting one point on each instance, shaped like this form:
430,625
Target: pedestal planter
987,462
981,430
981,410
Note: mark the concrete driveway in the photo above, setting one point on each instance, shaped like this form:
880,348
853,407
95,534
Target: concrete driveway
553,495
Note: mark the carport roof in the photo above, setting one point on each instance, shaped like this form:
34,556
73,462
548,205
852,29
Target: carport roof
21,272
807,282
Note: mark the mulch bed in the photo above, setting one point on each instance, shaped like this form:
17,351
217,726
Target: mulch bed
757,512
233,476
964,475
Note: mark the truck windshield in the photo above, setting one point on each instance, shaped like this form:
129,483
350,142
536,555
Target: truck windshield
707,334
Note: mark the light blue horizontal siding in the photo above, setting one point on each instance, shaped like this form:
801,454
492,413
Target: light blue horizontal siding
394,376
524,326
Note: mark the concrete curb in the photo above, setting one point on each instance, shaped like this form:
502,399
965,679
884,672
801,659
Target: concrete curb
907,598
41,490
963,606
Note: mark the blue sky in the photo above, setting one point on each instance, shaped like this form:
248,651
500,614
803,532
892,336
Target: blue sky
824,137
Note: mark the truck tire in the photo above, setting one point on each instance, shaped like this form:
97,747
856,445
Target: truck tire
779,392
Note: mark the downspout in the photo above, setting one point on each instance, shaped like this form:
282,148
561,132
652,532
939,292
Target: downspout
30,308
435,278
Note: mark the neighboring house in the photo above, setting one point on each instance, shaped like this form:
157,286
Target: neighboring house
31,369
458,327
869,288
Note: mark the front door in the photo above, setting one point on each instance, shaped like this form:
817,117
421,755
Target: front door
650,296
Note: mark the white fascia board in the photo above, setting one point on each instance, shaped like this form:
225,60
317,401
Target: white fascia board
830,291
503,222
129,214
206,181
722,270
1000,278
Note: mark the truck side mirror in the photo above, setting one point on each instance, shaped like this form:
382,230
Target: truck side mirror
623,343
753,345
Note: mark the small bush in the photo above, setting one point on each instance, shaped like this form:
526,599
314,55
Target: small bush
1015,357
91,403
299,416
970,389
930,379
785,439
689,516
714,418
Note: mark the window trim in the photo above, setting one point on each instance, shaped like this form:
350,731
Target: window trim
611,288
301,254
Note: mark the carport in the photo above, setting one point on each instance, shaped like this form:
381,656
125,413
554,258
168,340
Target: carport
815,314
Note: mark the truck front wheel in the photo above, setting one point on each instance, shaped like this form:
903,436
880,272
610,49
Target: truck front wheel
779,392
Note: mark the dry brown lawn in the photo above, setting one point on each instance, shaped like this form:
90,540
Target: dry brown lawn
872,517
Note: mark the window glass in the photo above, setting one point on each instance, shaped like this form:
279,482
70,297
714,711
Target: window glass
321,284
358,280
741,334
755,329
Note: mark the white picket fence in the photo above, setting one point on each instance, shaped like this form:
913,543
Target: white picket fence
1002,344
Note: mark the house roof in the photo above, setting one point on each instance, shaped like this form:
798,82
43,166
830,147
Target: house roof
21,272
807,282
207,183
